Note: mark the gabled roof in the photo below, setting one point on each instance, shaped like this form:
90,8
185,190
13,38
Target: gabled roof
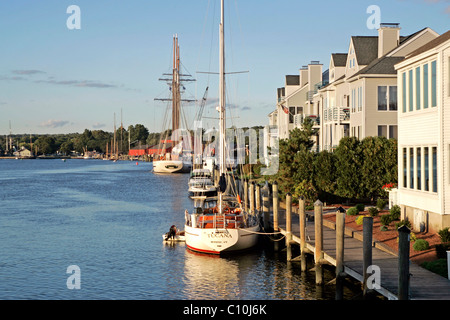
366,49
430,45
383,65
339,59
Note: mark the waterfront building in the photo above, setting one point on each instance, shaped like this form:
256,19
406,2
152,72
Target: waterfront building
424,135
294,100
361,97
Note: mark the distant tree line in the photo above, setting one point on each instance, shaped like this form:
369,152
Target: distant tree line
355,170
89,140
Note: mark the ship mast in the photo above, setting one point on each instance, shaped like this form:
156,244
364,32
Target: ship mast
176,85
222,168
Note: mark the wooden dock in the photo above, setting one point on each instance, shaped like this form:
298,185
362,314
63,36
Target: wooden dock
351,252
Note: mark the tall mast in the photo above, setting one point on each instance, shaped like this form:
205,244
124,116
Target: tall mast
221,101
222,93
176,85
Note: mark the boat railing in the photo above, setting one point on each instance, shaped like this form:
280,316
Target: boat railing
213,221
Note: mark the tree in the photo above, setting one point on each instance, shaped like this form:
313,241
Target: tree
46,145
348,168
138,133
325,172
293,152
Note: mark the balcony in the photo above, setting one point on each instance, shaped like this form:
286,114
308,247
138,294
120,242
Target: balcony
299,118
337,114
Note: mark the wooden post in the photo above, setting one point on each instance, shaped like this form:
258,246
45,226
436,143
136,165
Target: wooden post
258,198
367,250
275,205
403,262
265,208
318,250
302,223
245,195
289,226
340,228
252,197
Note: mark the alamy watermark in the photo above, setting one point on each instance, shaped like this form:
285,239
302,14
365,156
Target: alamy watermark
249,146
74,20
74,280
374,20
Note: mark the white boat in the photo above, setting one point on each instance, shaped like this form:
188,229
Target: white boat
179,237
201,183
172,157
221,226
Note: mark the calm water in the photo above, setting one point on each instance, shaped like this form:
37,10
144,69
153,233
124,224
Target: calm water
108,218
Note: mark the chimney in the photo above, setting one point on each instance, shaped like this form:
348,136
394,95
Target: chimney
314,73
303,75
388,37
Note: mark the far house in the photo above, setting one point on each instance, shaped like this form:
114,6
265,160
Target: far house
424,135
361,97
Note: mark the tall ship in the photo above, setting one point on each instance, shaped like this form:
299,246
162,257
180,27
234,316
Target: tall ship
220,224
175,153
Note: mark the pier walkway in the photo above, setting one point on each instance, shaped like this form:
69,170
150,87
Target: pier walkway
424,284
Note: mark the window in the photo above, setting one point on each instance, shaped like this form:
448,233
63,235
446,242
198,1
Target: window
433,84
419,169
353,100
435,177
411,168
411,86
393,132
360,98
382,98
426,169
291,114
393,98
404,91
382,131
425,86
418,88
405,168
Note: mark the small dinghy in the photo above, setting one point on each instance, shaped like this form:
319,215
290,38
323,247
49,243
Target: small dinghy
173,235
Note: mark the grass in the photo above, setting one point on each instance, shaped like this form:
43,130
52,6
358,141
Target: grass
437,266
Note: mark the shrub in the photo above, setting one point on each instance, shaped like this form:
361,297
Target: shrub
444,234
421,245
353,211
386,219
359,220
381,203
373,211
395,212
360,207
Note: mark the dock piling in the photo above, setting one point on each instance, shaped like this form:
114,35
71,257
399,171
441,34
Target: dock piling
302,223
252,197
258,198
318,250
265,208
340,233
403,262
289,226
367,250
246,195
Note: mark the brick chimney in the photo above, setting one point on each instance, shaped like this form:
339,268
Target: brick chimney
388,37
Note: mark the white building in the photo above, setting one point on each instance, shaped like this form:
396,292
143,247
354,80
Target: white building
424,135
361,97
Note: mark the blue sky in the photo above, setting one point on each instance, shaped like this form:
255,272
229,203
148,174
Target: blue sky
56,80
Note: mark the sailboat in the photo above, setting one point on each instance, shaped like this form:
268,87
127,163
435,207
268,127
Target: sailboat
219,225
174,155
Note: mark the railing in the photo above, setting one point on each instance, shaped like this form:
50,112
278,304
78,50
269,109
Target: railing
299,118
337,114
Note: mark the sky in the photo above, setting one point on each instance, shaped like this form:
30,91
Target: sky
55,78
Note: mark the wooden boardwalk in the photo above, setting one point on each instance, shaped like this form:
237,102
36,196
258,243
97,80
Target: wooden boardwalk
424,284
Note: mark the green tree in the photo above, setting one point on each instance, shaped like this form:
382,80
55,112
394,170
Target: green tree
46,145
348,168
325,172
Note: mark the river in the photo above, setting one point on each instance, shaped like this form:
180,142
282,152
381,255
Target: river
107,219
